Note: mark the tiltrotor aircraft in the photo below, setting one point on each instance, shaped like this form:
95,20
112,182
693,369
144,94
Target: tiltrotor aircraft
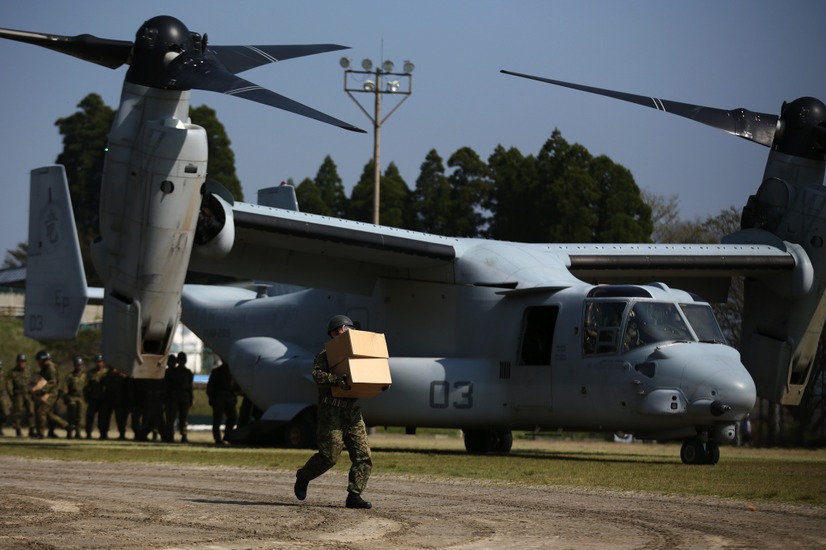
487,336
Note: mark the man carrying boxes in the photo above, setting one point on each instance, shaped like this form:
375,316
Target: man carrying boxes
352,364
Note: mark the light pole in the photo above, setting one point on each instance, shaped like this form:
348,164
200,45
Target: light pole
384,81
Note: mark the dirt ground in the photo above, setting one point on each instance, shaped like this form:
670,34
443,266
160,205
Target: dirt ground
51,504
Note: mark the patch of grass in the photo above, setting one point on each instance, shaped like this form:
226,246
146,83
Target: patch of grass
750,475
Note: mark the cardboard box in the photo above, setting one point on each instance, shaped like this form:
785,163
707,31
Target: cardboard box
368,376
355,343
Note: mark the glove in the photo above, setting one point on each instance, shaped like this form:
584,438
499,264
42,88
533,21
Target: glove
344,382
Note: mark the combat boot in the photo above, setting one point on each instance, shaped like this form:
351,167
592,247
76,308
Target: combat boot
354,500
300,488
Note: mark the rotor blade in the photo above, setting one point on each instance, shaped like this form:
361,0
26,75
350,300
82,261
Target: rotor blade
238,59
109,53
756,127
206,73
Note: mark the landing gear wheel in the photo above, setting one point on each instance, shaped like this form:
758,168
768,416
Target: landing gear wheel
488,441
298,434
693,452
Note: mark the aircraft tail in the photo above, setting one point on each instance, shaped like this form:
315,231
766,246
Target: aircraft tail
56,292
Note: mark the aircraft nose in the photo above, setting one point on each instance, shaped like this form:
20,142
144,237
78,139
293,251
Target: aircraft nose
733,393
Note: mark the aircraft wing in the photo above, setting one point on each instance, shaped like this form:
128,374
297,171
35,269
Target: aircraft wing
341,255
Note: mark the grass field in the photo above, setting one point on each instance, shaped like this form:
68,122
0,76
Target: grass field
792,476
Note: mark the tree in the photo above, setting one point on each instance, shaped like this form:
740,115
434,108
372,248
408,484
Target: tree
564,194
330,188
511,176
85,135
622,214
221,163
324,195
309,198
394,197
432,204
470,188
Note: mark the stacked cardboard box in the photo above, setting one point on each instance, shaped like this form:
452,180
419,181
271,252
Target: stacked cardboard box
362,356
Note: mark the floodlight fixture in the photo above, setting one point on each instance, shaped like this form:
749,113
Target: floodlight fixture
408,66
387,66
393,86
366,64
369,86
344,62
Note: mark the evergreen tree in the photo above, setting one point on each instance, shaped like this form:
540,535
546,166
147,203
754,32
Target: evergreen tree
432,204
394,197
85,134
470,192
221,163
330,188
309,198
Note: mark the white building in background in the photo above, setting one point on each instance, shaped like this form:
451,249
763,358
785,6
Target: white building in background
185,340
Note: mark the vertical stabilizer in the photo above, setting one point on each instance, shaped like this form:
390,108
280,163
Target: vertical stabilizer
56,292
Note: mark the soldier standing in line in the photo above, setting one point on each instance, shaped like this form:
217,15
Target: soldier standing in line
75,402
44,391
94,394
179,396
340,425
137,402
114,386
154,392
17,386
222,393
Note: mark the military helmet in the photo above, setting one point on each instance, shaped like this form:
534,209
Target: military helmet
21,357
77,361
43,355
338,321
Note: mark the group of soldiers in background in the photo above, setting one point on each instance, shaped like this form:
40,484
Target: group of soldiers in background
31,398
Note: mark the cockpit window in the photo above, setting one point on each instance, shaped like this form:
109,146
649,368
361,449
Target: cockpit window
702,320
652,323
601,324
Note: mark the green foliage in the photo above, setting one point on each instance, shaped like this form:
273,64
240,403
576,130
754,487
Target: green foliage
324,195
221,163
394,197
563,194
85,134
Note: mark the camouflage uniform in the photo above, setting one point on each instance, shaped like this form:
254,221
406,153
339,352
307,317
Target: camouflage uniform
46,397
179,396
94,394
340,425
75,402
17,386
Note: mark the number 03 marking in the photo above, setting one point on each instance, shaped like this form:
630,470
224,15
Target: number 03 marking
440,394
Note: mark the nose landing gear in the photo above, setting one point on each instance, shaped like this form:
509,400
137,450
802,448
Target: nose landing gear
695,451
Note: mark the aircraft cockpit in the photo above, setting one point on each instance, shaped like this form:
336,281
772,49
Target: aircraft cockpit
614,324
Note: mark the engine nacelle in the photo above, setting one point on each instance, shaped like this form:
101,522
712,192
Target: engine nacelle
215,233
151,193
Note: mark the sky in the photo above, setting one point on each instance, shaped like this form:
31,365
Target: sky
754,54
